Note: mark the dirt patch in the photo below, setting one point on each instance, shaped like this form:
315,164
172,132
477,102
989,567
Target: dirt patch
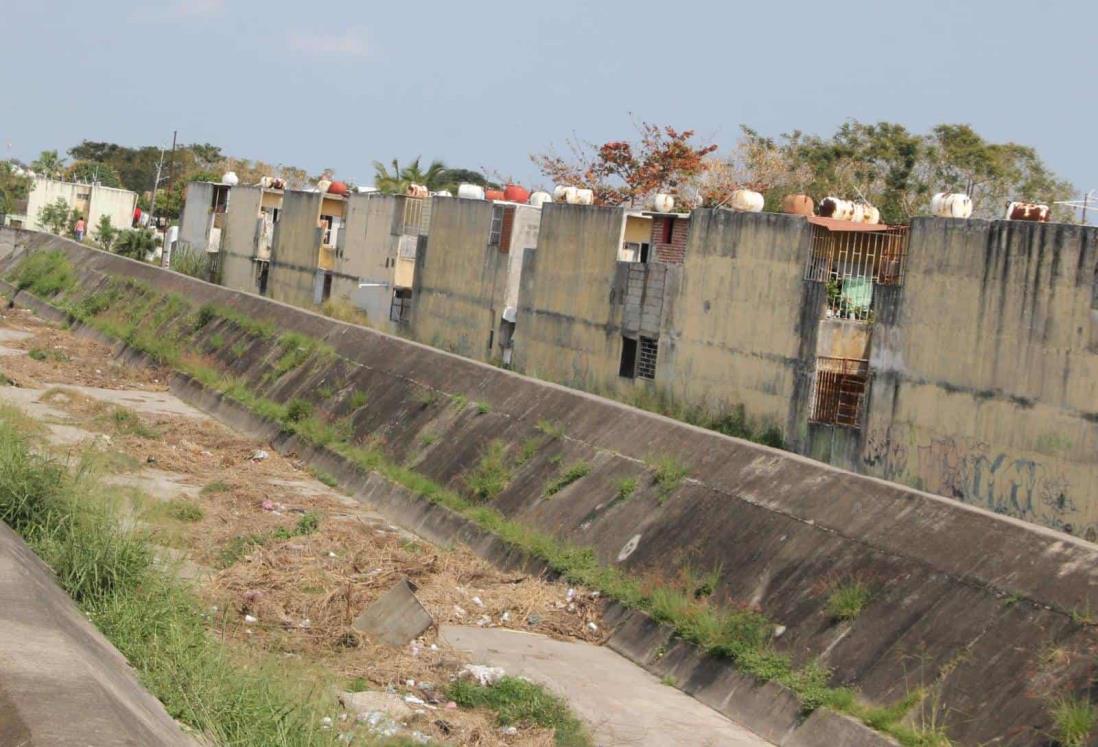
293,561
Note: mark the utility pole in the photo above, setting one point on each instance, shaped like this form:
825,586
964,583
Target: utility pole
171,163
152,202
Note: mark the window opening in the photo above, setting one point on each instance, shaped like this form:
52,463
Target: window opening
839,394
628,367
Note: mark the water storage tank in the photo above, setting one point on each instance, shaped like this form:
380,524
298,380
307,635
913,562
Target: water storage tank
798,205
951,205
338,188
515,193
322,186
471,191
493,194
540,198
663,202
230,178
560,192
747,200
585,197
442,193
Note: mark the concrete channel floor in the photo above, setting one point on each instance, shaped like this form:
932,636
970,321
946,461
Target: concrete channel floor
622,703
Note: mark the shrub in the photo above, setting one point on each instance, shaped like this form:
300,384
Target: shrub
45,274
298,410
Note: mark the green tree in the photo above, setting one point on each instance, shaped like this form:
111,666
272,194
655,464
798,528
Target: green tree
48,164
435,177
105,234
14,188
56,216
135,243
898,170
93,172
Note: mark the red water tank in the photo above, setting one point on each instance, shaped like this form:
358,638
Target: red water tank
494,194
515,193
338,188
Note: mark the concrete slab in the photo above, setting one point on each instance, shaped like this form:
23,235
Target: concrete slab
160,484
138,400
61,681
622,703
396,617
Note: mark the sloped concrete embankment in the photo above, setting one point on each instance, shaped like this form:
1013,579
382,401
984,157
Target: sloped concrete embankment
992,615
61,681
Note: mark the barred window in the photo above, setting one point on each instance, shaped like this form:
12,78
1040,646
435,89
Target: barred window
839,396
646,359
497,226
401,307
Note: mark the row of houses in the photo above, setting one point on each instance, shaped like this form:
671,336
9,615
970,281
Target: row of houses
956,356
91,201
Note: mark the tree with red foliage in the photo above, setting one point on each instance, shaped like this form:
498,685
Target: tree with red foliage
625,173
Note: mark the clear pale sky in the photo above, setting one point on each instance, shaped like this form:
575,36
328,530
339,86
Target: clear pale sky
340,83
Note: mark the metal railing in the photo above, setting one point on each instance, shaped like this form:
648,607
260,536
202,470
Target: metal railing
877,255
838,396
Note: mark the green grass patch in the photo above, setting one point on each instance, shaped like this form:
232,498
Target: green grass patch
491,475
551,428
483,408
521,703
41,355
358,400
125,421
44,273
667,474
324,477
215,487
567,476
459,401
625,488
848,599
1073,721
182,510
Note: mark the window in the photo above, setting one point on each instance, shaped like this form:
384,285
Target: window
628,367
401,307
330,224
326,293
633,251
491,340
262,273
840,389
220,200
497,225
646,361
852,262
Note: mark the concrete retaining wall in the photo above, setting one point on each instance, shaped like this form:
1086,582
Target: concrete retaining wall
965,601
61,681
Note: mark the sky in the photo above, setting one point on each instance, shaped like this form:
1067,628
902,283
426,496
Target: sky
342,83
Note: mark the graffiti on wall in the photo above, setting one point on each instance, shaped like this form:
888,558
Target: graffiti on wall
969,471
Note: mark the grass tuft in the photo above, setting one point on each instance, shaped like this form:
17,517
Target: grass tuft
491,475
521,702
1073,721
567,476
848,599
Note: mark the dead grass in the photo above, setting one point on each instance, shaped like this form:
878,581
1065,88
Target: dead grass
304,589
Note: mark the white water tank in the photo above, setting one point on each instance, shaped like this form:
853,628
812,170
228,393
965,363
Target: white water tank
951,205
471,191
416,190
585,197
663,202
747,200
230,178
540,198
442,193
560,192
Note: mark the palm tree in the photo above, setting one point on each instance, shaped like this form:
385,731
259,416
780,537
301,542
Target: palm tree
48,164
435,177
